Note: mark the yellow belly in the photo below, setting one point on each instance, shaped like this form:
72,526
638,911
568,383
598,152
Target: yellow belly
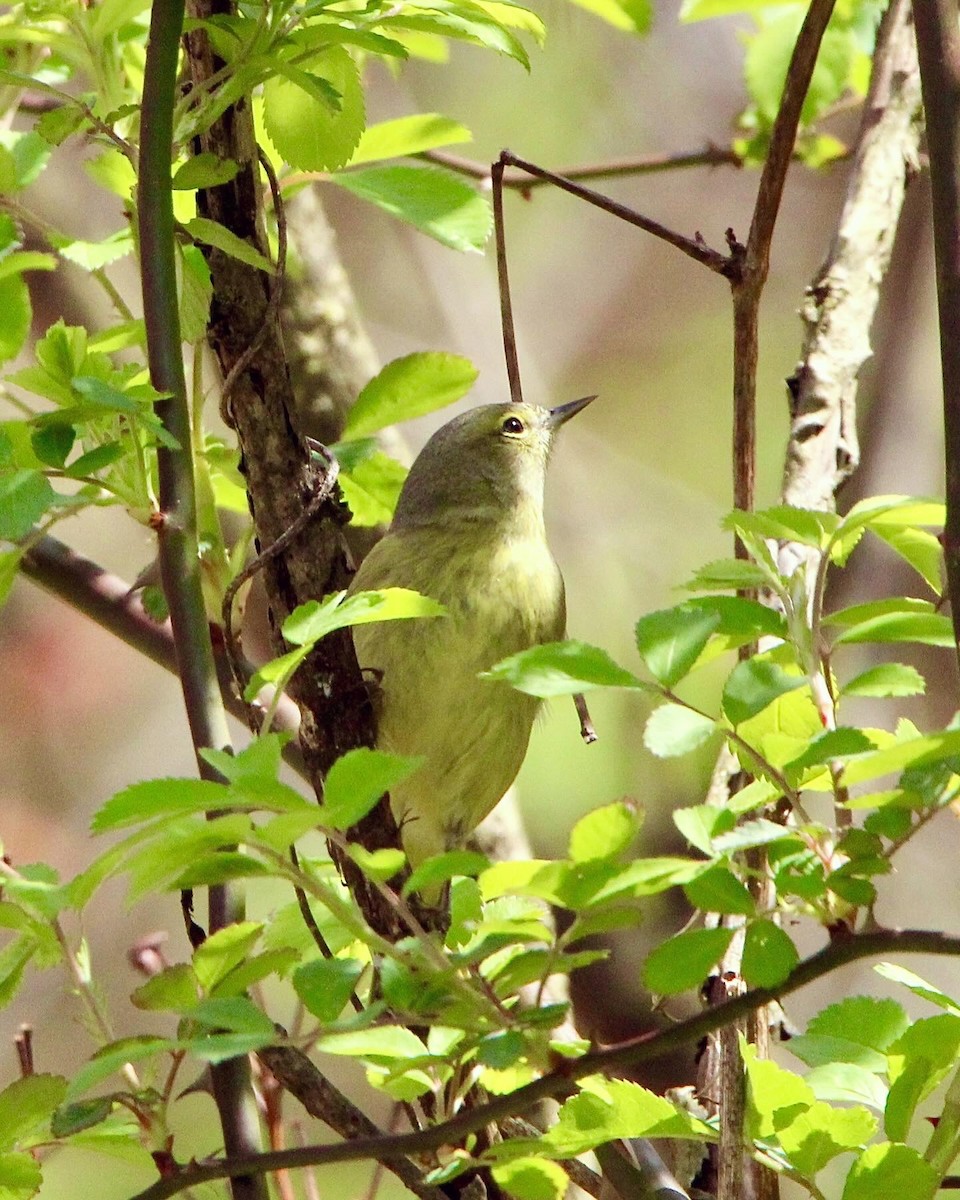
473,733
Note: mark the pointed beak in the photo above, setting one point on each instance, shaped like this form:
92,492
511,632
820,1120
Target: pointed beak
564,412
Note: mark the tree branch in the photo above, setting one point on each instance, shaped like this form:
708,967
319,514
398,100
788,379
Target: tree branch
938,48
648,164
177,524
694,247
558,1083
754,258
109,601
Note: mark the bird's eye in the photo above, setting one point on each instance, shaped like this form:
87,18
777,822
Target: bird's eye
512,425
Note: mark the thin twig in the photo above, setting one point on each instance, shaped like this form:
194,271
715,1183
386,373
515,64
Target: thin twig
322,492
503,279
694,248
647,164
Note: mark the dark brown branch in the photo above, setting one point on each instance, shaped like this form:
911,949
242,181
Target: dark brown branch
694,248
510,355
649,164
559,1082
754,258
938,48
108,600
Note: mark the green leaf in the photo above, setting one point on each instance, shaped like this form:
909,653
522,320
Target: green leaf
918,1060
357,780
24,497
434,201
856,1030
607,1110
20,1176
844,1083
728,574
922,550
211,233
224,950
26,260
53,442
718,890
204,170
911,752
73,1118
671,641
604,833
408,135
927,628
890,1169
234,1014
768,56
769,954
16,315
380,865
409,387
830,746
752,685
531,1178
308,133
562,669
372,488
326,985
885,680
173,989
703,10
632,16
441,867
919,987
382,1044
94,255
674,729
465,22
822,1132
684,961
158,798
311,621
775,1097
701,823
784,523
26,1106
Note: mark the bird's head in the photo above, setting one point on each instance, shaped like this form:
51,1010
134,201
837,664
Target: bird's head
485,465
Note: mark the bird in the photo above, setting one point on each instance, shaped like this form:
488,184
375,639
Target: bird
468,531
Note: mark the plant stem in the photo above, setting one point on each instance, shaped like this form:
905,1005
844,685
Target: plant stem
177,525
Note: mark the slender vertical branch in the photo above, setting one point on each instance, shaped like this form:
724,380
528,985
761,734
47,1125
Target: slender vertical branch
503,279
938,49
177,525
754,257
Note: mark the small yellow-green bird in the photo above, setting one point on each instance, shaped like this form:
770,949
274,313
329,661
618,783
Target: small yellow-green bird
468,531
